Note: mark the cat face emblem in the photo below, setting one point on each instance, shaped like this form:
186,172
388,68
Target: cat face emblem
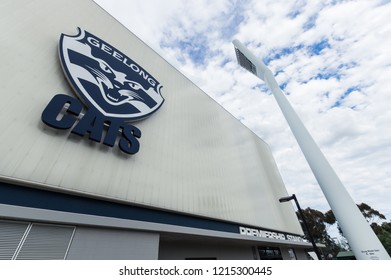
108,80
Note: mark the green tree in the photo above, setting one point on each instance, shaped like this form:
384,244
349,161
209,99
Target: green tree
315,222
383,232
329,217
373,217
318,223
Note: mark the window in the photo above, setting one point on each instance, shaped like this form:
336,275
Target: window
292,254
269,253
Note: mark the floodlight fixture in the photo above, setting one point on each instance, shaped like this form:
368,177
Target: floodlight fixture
286,199
356,229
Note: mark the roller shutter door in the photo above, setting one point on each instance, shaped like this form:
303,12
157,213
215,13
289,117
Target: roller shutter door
11,236
33,241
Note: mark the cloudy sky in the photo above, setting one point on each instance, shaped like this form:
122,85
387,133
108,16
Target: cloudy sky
331,58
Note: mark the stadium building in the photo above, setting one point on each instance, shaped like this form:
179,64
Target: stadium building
109,152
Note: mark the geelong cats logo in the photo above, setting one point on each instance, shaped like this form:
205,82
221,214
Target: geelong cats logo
115,89
107,79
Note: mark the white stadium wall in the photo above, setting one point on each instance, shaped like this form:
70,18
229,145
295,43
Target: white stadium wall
194,157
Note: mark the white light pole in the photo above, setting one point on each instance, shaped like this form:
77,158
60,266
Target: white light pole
362,239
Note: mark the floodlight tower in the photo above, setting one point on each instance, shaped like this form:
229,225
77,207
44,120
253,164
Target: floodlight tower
362,239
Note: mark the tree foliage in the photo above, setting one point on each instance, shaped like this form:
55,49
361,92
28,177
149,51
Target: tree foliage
315,222
318,224
383,232
372,215
329,217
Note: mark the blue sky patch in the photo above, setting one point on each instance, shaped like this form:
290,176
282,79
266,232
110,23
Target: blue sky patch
293,14
318,47
327,74
196,52
195,47
310,23
278,53
233,24
340,100
283,86
263,88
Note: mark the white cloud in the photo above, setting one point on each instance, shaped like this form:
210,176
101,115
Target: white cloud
331,57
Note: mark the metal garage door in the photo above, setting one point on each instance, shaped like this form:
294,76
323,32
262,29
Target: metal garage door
34,241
